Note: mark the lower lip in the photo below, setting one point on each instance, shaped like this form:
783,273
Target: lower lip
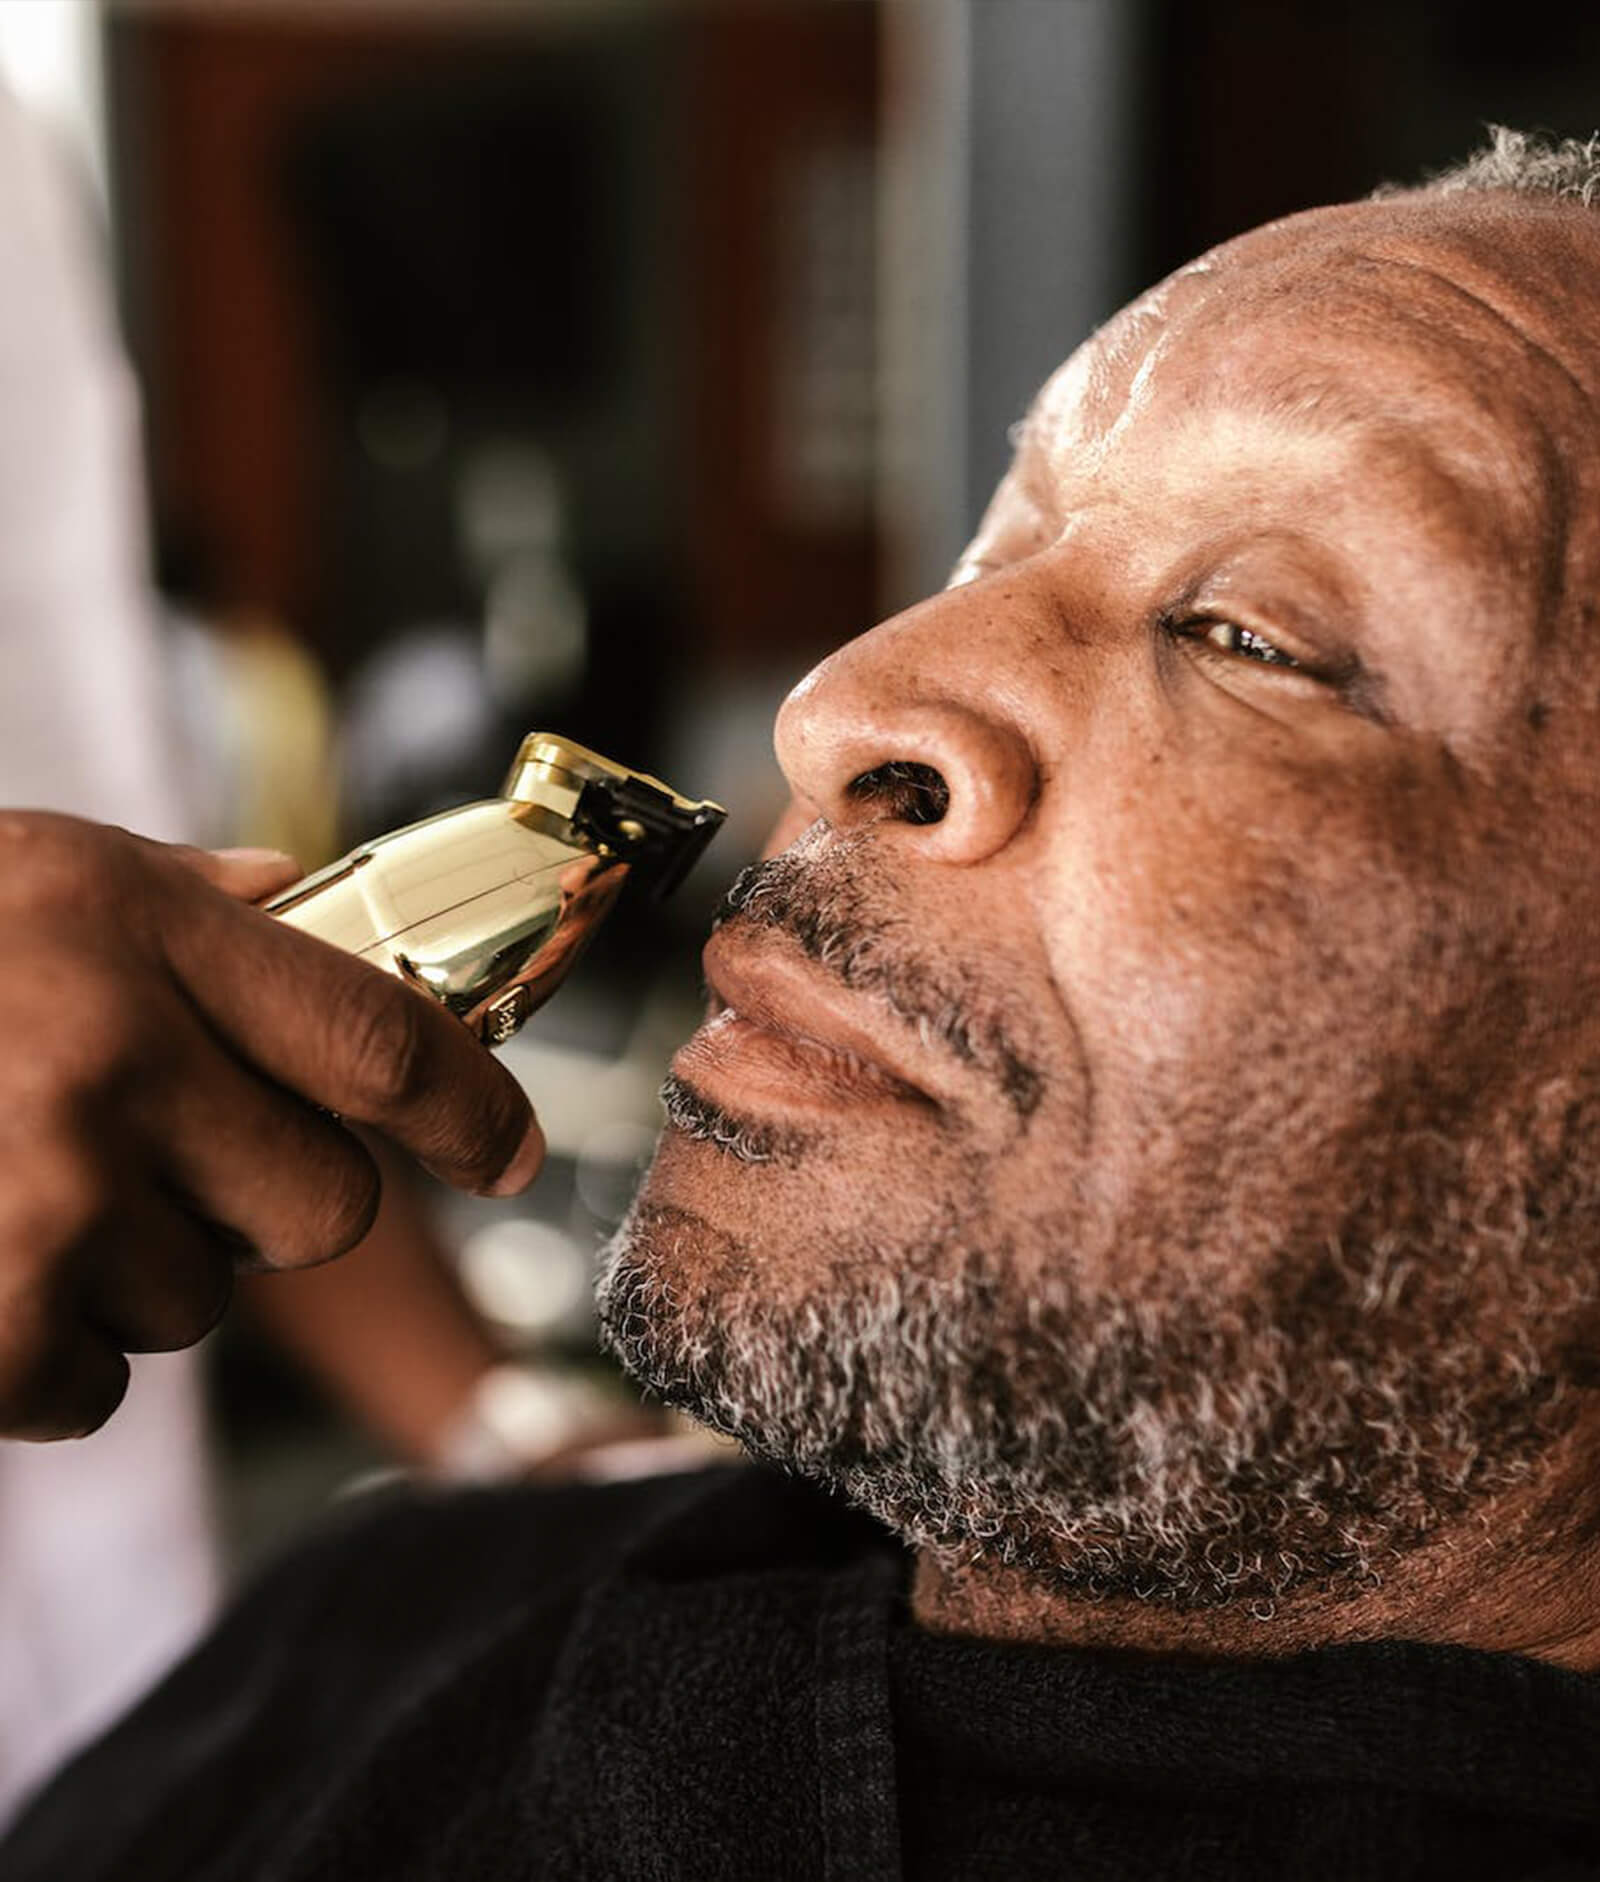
733,1056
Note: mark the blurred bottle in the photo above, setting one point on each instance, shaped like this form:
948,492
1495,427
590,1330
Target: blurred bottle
256,735
512,522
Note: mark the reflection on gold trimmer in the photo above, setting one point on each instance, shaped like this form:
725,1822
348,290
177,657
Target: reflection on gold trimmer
486,907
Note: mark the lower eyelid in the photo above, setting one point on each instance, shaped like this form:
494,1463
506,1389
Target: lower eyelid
1350,684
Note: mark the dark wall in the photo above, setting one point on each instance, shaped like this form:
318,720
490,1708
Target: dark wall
1252,110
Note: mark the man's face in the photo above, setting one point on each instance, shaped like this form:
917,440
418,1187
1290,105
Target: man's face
1146,1128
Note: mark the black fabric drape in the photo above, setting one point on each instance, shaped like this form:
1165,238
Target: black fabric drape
715,1677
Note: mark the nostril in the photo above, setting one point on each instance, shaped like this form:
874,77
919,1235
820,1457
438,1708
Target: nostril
904,790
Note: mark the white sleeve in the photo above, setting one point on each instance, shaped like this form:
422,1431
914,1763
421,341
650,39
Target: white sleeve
83,711
106,1563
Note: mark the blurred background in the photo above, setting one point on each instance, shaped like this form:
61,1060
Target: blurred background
470,366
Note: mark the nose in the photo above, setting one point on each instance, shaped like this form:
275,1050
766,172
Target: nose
872,737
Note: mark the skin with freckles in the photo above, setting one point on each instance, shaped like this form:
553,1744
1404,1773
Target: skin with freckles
1146,1145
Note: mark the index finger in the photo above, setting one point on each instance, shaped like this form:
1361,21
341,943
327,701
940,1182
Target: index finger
348,1037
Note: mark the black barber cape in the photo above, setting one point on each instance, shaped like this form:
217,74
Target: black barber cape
713,1676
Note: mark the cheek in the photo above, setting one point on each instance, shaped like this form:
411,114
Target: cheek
1249,945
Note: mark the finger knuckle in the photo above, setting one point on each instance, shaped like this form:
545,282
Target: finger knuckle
89,1050
383,1045
49,1203
346,1210
333,1214
51,861
100,1042
476,1125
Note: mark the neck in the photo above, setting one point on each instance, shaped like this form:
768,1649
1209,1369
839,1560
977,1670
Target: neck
1521,1574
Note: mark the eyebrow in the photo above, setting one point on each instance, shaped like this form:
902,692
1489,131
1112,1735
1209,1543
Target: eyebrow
1463,502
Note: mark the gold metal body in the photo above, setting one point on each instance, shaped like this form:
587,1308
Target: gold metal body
488,906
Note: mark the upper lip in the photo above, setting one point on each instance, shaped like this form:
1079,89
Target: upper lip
778,989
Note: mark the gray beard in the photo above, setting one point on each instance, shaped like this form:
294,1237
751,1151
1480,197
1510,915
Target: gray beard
1192,1450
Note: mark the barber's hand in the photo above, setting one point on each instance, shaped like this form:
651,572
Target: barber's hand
168,1059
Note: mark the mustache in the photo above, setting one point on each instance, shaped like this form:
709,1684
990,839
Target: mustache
822,906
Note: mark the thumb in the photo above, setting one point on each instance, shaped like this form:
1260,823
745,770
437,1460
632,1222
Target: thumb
248,875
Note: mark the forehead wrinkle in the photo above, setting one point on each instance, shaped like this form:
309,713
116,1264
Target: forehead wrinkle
1244,421
1501,315
1551,469
1354,364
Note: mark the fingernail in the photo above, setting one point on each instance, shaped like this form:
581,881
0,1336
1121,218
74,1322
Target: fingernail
260,858
523,1167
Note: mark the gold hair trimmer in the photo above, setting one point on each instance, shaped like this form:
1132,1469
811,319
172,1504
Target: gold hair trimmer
488,906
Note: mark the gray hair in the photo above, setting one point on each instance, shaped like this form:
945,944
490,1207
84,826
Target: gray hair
1527,162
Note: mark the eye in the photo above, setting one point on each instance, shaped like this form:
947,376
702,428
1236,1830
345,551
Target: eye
1229,637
